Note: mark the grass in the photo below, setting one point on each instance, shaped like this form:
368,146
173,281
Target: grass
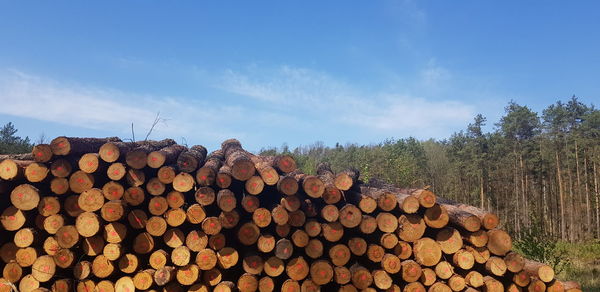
584,264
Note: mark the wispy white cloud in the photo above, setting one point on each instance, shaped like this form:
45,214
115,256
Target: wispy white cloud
39,98
260,106
331,100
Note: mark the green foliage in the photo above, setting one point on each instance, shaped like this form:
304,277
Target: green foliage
585,264
535,244
10,143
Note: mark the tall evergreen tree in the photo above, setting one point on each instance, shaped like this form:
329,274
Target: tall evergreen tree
10,143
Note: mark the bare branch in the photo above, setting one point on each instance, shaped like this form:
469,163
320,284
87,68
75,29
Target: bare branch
184,142
157,119
41,139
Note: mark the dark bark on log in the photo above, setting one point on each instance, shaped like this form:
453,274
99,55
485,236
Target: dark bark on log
488,220
192,159
242,167
74,145
207,174
165,156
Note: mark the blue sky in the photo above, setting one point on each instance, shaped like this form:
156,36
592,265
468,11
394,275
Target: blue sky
296,72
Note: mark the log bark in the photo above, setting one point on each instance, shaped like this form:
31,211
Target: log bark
207,174
265,167
242,167
137,157
463,218
488,220
74,145
165,156
190,160
22,156
539,271
572,286
331,194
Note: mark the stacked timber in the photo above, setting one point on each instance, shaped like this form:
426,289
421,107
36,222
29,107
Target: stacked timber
100,214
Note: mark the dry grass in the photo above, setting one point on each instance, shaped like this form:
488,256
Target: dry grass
584,266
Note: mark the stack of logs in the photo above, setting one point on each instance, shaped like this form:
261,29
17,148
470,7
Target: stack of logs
99,214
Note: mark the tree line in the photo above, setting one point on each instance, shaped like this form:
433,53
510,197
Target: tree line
533,169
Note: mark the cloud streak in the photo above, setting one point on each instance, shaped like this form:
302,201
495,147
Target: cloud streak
334,101
34,97
260,106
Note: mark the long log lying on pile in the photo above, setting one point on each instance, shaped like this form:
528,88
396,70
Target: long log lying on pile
101,214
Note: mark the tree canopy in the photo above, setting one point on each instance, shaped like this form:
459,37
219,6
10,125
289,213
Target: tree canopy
531,168
12,144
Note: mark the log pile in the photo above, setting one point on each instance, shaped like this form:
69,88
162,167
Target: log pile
91,214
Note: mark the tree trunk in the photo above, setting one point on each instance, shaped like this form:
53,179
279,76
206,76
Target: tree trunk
597,192
588,209
563,227
481,192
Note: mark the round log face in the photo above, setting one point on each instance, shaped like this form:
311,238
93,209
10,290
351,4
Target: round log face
427,252
25,197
